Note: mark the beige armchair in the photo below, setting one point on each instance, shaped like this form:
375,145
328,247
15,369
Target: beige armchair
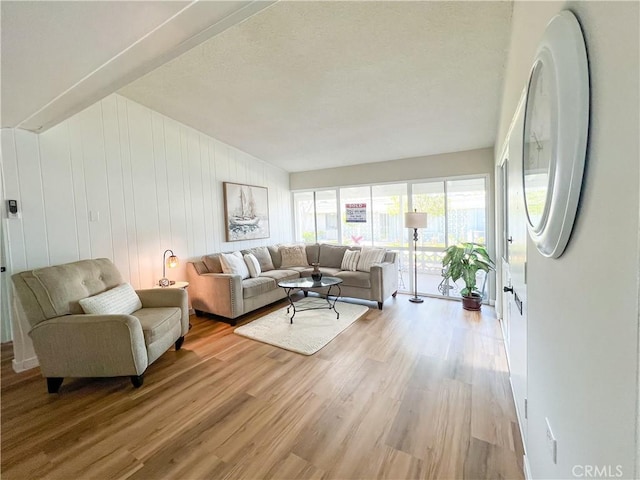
70,343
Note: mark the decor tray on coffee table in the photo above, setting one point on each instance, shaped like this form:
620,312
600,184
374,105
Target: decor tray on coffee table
305,284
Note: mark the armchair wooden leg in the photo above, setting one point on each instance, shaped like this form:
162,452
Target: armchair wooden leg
137,380
179,343
379,305
394,294
53,384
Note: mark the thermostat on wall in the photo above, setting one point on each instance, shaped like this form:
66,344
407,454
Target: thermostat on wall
12,209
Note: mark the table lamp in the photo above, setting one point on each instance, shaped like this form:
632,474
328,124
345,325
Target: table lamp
172,262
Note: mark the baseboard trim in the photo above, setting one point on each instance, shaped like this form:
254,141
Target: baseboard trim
24,365
527,468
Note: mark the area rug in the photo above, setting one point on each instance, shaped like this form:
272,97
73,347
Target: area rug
311,330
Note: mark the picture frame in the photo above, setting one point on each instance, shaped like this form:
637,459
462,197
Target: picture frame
246,211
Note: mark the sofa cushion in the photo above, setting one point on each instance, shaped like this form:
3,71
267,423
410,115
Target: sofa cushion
118,300
331,255
390,256
200,267
355,279
263,256
293,256
276,258
156,322
59,288
313,252
326,271
233,263
213,263
252,287
369,256
280,275
252,264
350,260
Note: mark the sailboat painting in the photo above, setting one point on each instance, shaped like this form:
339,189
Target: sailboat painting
246,210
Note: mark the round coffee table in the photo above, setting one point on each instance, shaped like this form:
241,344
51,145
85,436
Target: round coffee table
305,284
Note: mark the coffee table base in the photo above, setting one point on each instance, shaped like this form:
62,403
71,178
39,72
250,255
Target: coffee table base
329,305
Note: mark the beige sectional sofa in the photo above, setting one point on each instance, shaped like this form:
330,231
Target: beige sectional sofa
230,296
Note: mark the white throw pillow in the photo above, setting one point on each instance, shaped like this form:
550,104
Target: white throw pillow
233,263
369,256
350,260
253,265
122,299
293,256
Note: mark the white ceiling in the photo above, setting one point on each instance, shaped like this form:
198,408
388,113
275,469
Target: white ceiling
309,85
303,85
59,57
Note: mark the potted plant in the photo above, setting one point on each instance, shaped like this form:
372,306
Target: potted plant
463,261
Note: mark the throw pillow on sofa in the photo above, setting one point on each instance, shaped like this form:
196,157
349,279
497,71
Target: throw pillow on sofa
293,256
331,255
350,260
369,256
253,265
233,263
263,256
120,300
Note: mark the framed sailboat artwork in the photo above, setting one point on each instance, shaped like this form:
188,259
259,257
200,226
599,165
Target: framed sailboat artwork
246,211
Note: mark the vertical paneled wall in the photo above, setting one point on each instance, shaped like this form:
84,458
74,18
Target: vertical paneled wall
121,181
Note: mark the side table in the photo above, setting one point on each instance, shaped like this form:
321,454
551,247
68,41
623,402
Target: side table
182,285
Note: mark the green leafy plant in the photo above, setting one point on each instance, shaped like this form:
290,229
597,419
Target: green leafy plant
463,261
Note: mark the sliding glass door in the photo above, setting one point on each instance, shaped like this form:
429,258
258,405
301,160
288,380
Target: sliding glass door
429,197
374,215
456,212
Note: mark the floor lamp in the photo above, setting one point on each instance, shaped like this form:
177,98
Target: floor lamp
415,220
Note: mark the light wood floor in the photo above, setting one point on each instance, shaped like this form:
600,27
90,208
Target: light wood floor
413,391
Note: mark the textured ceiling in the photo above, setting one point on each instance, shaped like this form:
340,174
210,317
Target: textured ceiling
59,57
308,85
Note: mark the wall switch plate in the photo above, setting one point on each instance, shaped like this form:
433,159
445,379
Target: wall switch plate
552,444
94,216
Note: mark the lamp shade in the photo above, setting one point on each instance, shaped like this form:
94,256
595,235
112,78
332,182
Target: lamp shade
415,220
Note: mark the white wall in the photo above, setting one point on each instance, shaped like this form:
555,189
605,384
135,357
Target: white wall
150,183
470,162
583,307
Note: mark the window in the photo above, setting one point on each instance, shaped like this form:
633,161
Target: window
456,212
466,215
327,216
374,215
429,197
356,231
304,210
388,204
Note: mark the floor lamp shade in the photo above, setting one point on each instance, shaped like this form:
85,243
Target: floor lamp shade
415,220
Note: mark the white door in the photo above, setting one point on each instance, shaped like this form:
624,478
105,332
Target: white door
515,305
5,323
503,245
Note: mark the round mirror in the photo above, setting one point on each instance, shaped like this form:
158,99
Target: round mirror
537,156
554,142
